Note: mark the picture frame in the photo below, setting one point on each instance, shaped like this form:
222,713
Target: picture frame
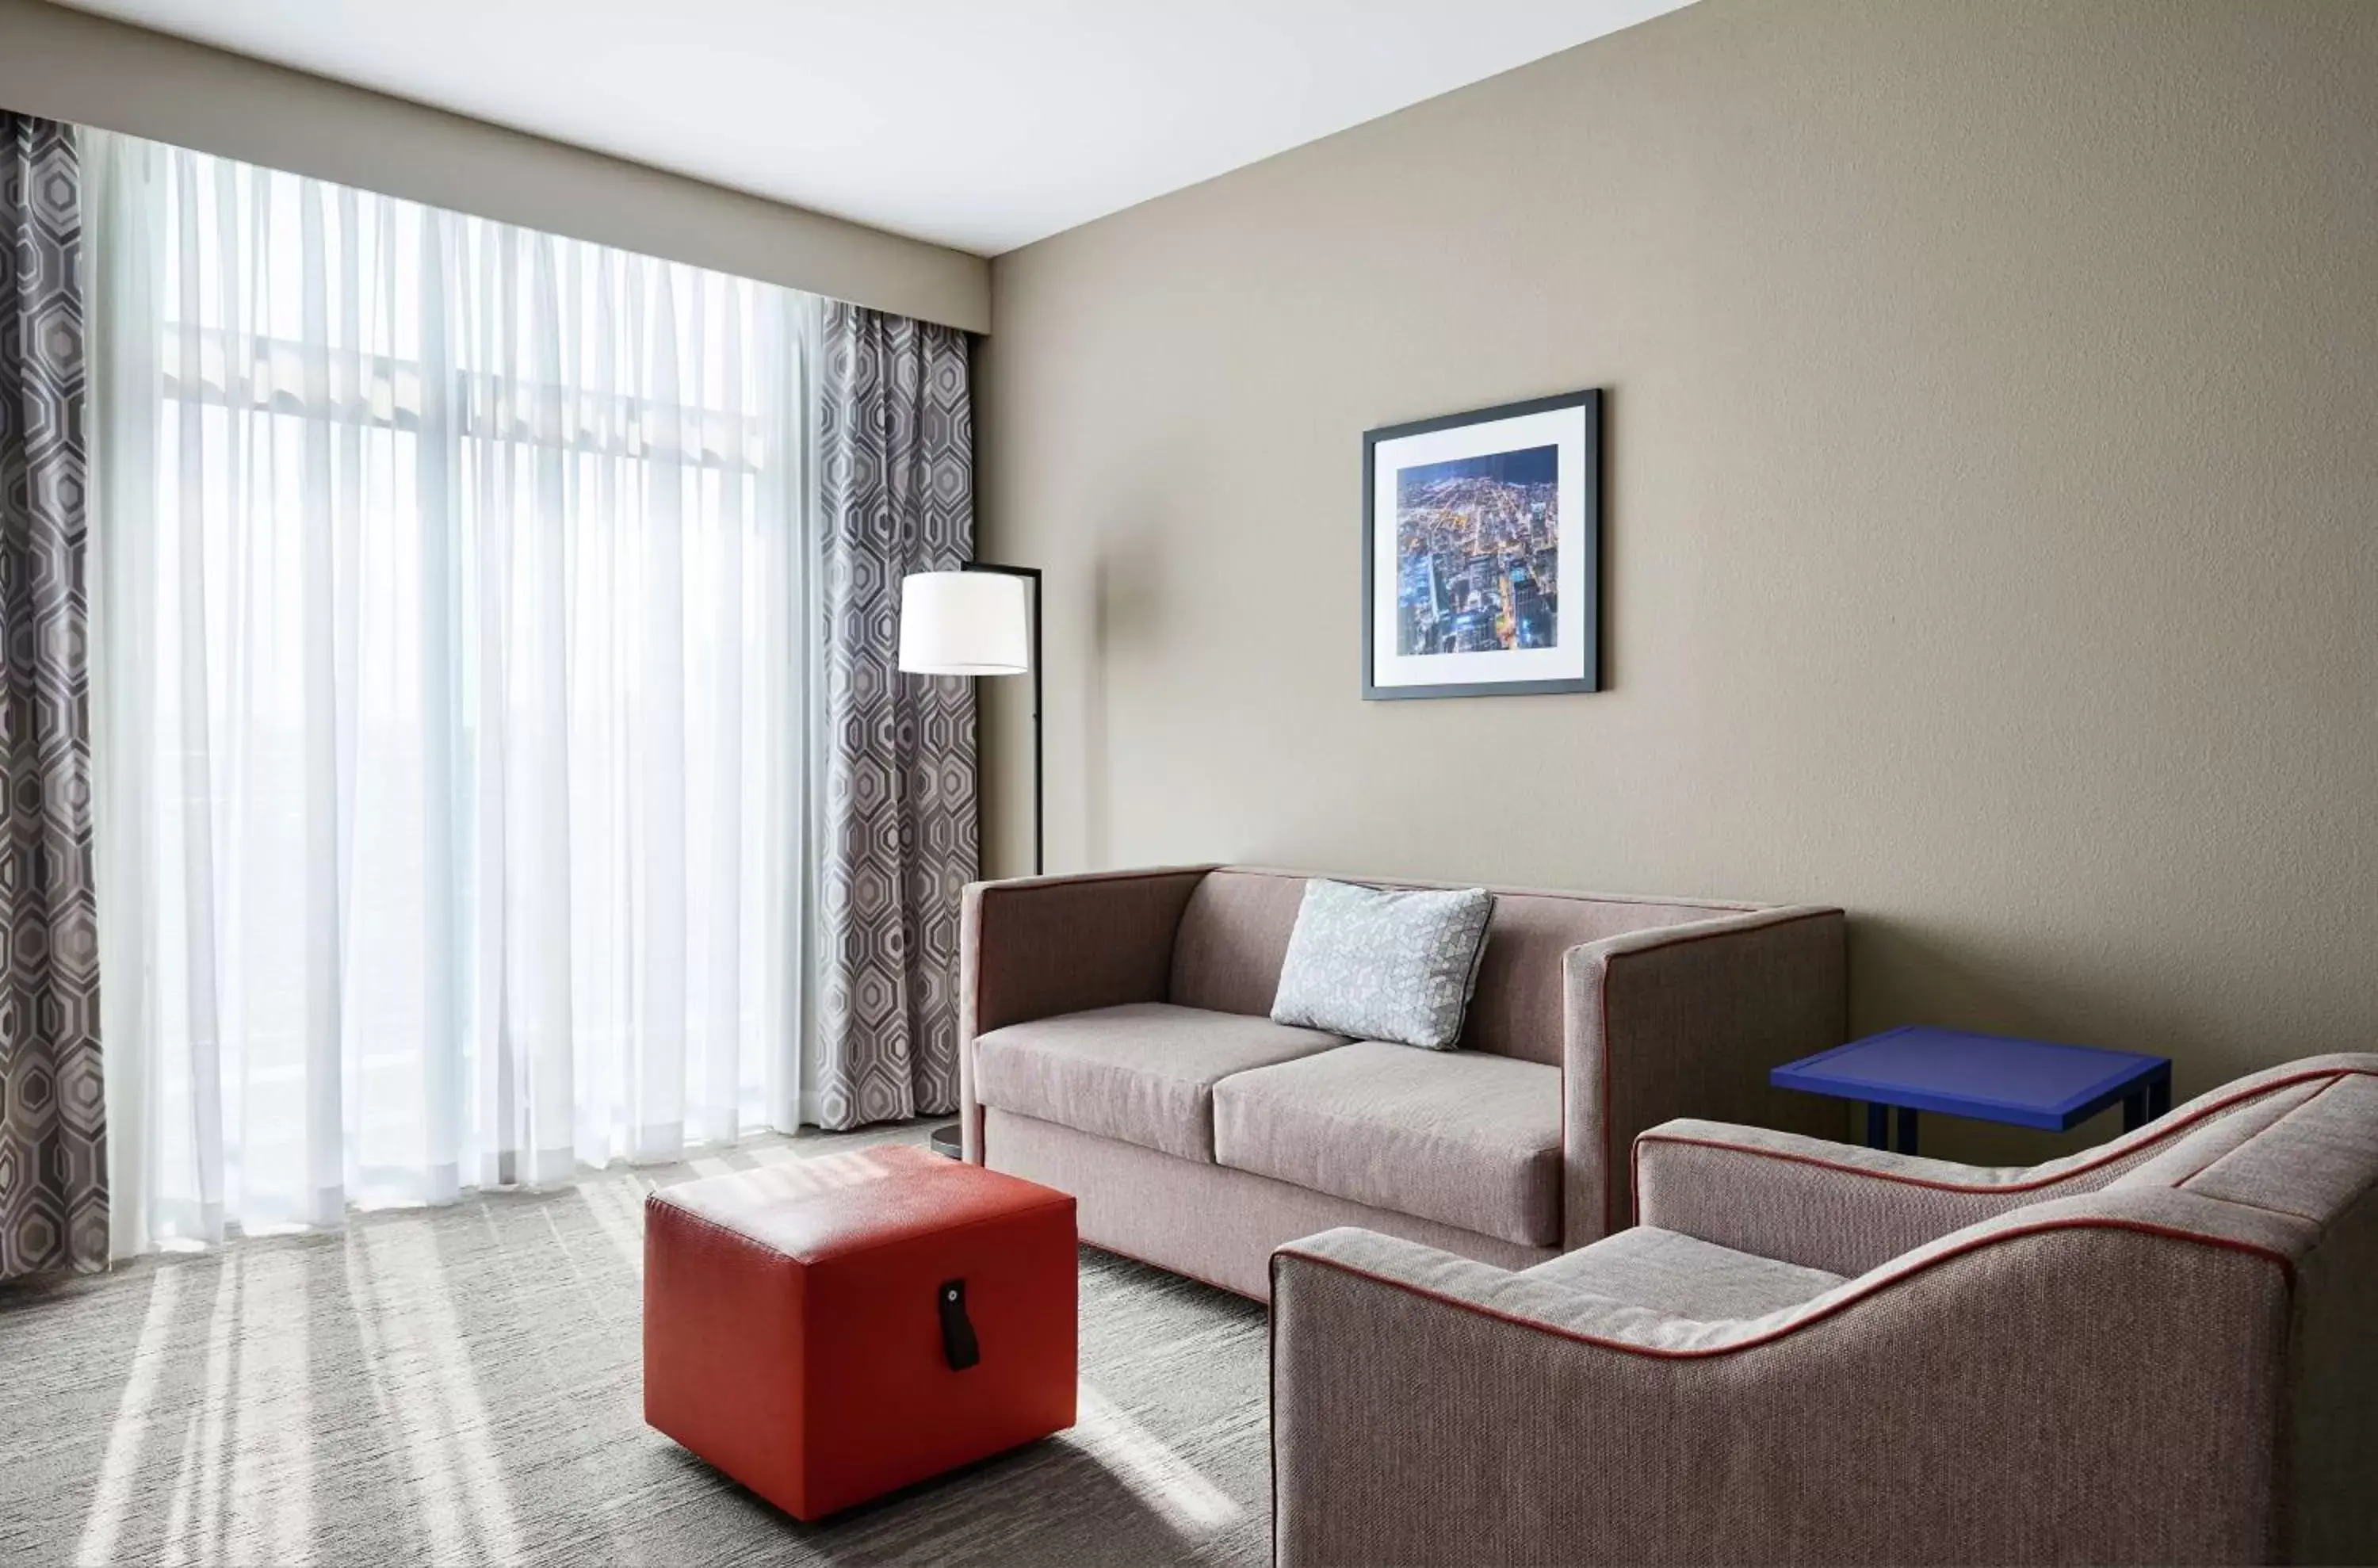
1481,551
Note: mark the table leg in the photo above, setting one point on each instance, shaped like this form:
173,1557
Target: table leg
2134,1111
1877,1127
1906,1130
2160,1096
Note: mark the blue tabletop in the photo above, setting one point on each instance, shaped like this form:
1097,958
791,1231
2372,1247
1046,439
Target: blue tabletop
2028,1082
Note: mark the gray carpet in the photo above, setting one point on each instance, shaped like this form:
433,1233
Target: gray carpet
462,1385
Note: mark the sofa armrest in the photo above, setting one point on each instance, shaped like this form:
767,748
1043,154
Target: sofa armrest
1040,946
1811,1200
1686,1020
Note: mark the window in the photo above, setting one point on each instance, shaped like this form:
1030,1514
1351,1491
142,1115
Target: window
451,604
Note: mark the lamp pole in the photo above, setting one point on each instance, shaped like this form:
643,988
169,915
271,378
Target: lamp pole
1032,575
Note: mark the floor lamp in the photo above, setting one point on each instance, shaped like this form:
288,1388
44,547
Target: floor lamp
981,619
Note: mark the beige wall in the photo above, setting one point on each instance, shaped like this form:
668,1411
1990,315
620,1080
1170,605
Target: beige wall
89,70
1993,515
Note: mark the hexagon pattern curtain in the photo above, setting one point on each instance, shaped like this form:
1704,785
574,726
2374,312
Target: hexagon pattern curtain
897,457
53,1134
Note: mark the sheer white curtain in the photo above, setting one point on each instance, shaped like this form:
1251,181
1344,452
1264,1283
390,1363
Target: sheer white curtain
455,665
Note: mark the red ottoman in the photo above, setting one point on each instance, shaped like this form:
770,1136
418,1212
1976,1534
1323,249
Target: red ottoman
829,1330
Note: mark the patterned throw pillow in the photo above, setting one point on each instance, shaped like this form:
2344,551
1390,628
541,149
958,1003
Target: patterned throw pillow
1394,966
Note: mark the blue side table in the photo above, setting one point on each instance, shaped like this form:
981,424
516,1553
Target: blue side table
1988,1076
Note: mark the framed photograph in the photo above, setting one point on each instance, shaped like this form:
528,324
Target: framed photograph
1481,551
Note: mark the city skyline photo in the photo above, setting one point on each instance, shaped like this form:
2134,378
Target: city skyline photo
1481,551
1477,554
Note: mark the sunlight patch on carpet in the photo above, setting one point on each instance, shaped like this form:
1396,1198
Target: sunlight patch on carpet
445,1424
135,1414
1167,1482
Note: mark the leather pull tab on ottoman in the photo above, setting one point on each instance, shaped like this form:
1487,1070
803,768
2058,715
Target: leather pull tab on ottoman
958,1348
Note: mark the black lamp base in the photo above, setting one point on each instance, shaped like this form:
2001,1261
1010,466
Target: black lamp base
950,1142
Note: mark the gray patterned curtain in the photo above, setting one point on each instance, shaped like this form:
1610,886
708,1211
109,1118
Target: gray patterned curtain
896,493
52,1123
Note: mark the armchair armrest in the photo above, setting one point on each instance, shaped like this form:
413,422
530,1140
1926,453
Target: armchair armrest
1811,1200
1428,1409
1449,1280
1687,1021
1037,947
1847,1209
2023,1390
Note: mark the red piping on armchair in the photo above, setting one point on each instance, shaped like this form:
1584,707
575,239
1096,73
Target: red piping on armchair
1701,1352
2120,1149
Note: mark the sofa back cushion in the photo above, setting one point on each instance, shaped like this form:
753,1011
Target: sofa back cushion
1234,938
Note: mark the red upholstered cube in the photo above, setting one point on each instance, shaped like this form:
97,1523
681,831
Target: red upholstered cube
793,1321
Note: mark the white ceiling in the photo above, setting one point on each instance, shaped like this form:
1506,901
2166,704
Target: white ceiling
979,124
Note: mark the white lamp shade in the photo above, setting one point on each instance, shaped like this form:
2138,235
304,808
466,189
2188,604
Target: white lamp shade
965,623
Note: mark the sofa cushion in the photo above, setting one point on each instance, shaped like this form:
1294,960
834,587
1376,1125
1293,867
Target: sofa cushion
1683,1276
1143,1072
1458,1136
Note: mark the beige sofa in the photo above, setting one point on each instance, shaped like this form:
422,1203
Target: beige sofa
1114,1044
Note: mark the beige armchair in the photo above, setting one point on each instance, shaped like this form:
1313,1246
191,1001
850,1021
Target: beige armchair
2159,1351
